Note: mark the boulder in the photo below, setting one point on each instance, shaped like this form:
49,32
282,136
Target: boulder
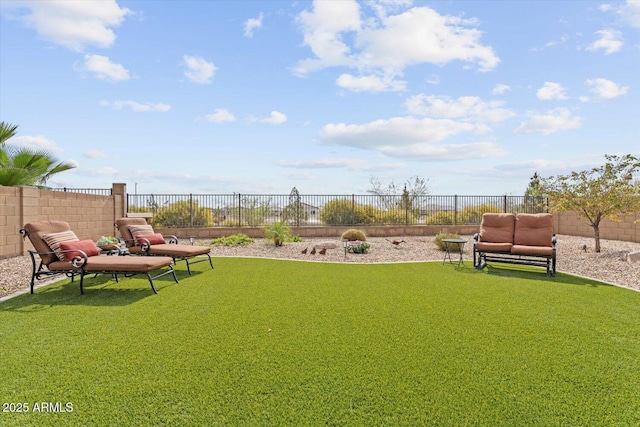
633,257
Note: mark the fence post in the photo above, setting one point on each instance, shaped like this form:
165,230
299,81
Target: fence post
353,208
190,209
239,211
504,209
455,209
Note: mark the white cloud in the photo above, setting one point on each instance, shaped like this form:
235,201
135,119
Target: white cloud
606,88
610,41
409,137
551,92
104,69
95,154
499,89
370,83
276,118
253,24
630,13
552,121
220,115
198,69
333,163
38,142
73,24
386,46
136,106
470,108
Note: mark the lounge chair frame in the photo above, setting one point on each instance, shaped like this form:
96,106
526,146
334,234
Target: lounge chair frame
77,268
170,239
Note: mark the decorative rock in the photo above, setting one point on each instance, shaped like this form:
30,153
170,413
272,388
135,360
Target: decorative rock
633,257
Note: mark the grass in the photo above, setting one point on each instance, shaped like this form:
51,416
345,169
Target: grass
270,342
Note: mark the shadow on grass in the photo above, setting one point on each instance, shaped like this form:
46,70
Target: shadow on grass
530,273
99,291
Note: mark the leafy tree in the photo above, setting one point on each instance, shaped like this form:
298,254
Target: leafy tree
534,200
294,212
392,197
603,192
25,166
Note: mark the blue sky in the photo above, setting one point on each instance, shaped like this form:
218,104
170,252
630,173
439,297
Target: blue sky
261,96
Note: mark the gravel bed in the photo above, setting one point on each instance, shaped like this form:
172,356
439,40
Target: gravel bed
609,265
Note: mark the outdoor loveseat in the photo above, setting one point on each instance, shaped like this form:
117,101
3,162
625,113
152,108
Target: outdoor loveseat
523,239
61,252
141,239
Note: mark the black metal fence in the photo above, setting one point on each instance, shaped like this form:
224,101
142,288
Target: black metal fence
240,210
94,191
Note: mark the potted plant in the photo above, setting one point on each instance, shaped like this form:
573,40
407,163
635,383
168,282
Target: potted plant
279,231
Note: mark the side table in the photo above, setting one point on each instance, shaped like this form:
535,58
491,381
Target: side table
447,253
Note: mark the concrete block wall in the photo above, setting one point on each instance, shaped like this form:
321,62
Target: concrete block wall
571,224
89,216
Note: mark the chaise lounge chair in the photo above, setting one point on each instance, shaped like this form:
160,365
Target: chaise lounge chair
61,252
142,240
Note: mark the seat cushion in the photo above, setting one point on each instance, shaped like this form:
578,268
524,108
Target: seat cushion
532,250
184,251
497,228
534,230
493,247
124,264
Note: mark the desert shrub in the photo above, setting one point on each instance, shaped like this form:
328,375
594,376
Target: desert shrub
352,234
440,244
239,239
294,238
233,223
338,212
395,216
441,217
182,214
473,214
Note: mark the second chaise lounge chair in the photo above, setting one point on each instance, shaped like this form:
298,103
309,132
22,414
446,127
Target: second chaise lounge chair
141,239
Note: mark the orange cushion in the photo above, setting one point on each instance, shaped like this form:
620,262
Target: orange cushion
86,246
154,239
497,228
534,230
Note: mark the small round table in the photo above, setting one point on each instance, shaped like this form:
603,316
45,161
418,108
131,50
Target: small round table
447,253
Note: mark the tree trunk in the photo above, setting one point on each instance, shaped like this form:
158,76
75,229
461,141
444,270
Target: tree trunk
596,230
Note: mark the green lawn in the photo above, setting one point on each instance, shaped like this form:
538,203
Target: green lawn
265,342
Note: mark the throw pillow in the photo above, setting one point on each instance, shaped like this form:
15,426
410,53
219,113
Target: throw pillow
53,240
154,239
86,246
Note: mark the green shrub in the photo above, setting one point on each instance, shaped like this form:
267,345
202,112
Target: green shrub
360,249
233,223
452,246
239,239
442,217
182,214
294,238
352,234
473,214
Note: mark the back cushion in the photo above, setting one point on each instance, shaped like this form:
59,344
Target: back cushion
124,225
497,227
534,229
87,246
37,229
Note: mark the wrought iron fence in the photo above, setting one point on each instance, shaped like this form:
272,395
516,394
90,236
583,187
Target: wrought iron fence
94,191
240,210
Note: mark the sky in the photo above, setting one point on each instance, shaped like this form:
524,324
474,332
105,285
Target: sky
258,97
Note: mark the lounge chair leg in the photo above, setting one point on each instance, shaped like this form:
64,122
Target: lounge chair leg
81,284
151,283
